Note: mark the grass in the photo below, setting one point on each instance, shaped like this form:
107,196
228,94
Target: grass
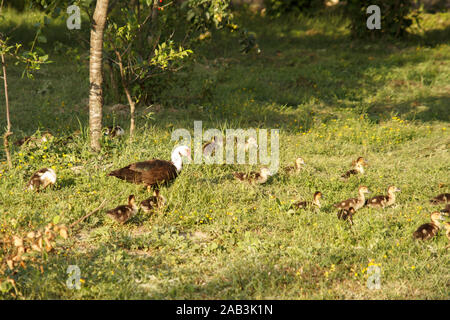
332,98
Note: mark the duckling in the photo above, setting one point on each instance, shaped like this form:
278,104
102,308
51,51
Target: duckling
442,198
429,230
447,232
299,163
113,132
358,168
124,212
346,215
209,147
446,210
157,201
356,203
41,179
308,204
254,177
383,201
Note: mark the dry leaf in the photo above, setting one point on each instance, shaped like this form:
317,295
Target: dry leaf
17,241
10,264
31,235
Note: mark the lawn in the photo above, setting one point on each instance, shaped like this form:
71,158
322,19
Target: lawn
333,99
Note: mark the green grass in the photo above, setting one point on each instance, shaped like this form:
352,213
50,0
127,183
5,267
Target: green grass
332,98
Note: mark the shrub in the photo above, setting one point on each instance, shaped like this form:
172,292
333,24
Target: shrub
396,17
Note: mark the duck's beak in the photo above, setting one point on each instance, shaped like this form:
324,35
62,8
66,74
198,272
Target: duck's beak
398,190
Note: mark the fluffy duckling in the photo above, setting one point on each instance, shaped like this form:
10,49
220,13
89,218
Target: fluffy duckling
429,230
124,212
358,168
253,177
308,204
113,132
356,203
447,232
446,209
41,179
383,201
157,201
442,198
346,215
209,147
299,163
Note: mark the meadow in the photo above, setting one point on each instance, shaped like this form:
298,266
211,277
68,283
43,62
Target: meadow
333,99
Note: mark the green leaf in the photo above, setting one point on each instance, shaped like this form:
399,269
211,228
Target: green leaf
56,219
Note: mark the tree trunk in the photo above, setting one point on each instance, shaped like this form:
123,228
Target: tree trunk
95,74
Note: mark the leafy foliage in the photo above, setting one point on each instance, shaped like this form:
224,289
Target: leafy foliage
396,17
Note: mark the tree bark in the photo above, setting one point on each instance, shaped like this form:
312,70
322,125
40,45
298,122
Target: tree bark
96,74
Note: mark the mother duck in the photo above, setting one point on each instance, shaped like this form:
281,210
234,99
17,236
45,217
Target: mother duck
154,172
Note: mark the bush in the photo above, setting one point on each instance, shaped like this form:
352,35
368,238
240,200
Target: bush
396,17
279,7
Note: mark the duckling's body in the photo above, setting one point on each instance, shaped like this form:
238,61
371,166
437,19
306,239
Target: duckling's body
153,203
123,213
358,168
442,198
447,232
346,215
384,200
114,132
253,177
309,204
41,179
356,203
299,163
429,230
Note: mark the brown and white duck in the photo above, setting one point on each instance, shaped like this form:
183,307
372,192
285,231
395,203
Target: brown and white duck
358,168
153,203
309,204
113,132
442,198
356,203
41,179
254,177
346,215
124,212
429,230
299,163
154,172
384,200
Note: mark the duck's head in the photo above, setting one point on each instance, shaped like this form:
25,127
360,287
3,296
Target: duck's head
299,162
317,195
131,200
360,162
363,189
436,217
393,189
183,151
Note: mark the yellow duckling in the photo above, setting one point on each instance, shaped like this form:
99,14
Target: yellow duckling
254,177
383,201
346,215
157,201
309,204
299,163
442,198
429,230
358,168
356,203
123,213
